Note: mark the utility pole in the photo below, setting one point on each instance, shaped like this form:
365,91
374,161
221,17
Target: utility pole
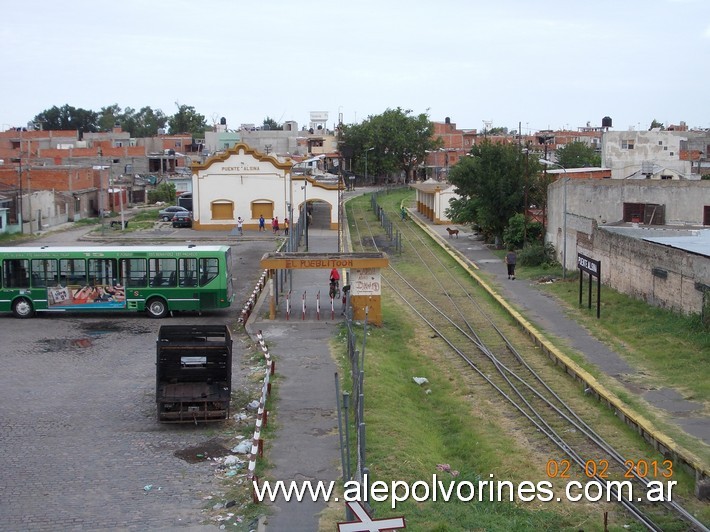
101,192
29,180
525,194
21,202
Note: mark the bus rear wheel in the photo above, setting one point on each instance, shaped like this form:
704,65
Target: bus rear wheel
157,308
22,308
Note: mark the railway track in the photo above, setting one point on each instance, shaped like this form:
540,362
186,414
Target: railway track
438,293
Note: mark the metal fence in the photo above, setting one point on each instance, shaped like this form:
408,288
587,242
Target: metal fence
353,403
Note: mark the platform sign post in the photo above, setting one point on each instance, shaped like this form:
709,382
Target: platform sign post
594,269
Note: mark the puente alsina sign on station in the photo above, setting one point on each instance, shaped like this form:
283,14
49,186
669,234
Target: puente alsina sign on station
363,272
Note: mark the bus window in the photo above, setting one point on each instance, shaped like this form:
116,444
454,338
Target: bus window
135,273
72,272
208,270
17,273
188,272
163,272
103,272
44,273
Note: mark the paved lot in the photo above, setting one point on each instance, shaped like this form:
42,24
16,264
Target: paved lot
78,434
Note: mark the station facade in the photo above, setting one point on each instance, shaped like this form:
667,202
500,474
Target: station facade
243,182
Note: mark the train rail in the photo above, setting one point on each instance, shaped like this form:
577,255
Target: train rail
488,345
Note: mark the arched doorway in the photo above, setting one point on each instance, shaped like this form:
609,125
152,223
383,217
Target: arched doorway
321,214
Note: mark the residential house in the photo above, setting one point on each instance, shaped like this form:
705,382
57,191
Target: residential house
656,154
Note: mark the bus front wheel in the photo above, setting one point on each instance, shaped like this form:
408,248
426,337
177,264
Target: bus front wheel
156,308
22,308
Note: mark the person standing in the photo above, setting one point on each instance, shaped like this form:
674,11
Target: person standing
510,259
240,226
275,225
261,223
286,226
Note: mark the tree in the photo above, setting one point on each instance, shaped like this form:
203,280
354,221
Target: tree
491,185
497,131
578,155
163,192
144,123
68,118
187,120
400,142
271,124
655,124
108,117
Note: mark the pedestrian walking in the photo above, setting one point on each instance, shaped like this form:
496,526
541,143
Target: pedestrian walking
510,259
240,226
275,225
262,227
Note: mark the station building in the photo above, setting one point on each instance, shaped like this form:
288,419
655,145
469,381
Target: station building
244,182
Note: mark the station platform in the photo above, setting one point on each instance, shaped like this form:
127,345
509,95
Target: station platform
306,443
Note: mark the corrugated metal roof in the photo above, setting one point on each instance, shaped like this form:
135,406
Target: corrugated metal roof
697,242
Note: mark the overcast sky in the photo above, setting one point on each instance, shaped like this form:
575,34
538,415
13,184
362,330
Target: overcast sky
543,64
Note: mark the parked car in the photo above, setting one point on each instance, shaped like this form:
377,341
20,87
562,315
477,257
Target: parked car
167,214
182,219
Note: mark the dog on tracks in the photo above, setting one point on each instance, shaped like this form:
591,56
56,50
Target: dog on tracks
452,232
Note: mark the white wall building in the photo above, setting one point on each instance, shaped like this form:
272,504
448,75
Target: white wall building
245,182
627,153
433,198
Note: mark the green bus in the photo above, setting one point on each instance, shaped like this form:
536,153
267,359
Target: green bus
154,279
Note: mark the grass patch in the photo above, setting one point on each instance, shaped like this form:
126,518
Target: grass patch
7,238
661,343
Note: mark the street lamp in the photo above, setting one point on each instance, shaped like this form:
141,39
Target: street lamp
368,149
564,214
305,213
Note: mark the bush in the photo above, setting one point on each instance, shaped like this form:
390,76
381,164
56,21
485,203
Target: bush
537,255
517,233
163,192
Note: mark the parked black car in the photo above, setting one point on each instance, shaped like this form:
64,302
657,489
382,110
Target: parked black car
182,219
